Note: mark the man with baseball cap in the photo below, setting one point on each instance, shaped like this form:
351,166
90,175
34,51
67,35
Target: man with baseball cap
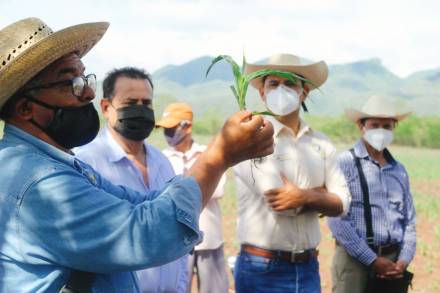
281,196
58,215
378,234
208,257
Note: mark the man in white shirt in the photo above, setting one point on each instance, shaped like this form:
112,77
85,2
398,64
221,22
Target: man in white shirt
281,196
208,256
121,155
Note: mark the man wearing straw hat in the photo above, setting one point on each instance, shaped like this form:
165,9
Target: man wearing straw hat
281,196
57,215
378,234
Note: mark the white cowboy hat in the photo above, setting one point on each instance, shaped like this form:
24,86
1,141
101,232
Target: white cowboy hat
317,72
29,45
378,106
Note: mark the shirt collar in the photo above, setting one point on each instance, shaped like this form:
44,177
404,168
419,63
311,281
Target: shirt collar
15,133
116,152
278,126
195,148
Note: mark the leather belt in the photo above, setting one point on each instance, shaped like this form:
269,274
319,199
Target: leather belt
383,249
293,257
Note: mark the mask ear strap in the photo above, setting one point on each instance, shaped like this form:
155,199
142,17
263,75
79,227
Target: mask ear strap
41,103
303,105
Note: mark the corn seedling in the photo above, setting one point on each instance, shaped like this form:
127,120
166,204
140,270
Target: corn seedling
242,80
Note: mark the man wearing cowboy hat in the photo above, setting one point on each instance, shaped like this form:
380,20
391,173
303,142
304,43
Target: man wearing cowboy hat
281,196
382,204
57,215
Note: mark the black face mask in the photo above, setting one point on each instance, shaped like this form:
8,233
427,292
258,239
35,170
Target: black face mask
135,122
70,126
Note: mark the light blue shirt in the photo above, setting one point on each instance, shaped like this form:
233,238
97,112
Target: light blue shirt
107,157
58,214
392,208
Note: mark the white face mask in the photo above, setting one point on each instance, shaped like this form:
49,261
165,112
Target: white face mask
282,100
379,138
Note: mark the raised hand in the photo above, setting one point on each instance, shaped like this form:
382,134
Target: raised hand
244,137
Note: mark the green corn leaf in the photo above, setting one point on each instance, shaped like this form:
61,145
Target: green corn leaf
268,113
243,64
242,93
215,60
289,75
227,58
244,90
234,91
264,72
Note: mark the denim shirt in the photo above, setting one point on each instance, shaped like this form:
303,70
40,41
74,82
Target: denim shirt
58,214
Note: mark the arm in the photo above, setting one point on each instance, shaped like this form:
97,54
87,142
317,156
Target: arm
344,230
331,200
85,228
409,238
220,190
291,196
242,137
322,201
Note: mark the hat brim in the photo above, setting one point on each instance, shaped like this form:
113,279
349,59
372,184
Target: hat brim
168,122
79,38
356,115
317,72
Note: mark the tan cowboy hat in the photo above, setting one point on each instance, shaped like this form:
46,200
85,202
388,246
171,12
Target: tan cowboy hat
317,72
378,106
29,45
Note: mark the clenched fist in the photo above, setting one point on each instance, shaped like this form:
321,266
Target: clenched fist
242,137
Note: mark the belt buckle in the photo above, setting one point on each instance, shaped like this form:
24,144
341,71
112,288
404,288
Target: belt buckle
293,255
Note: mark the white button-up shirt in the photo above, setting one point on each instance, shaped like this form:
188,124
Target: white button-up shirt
210,218
308,161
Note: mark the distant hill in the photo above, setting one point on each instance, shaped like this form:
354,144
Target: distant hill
348,85
193,72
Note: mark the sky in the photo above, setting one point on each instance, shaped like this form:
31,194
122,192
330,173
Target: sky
405,35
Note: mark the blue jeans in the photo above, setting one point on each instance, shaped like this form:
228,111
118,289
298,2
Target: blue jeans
255,274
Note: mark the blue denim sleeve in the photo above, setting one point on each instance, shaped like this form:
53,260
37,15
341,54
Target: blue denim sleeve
67,220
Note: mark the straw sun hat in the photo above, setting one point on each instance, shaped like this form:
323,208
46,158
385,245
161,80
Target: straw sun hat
29,45
317,72
379,106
